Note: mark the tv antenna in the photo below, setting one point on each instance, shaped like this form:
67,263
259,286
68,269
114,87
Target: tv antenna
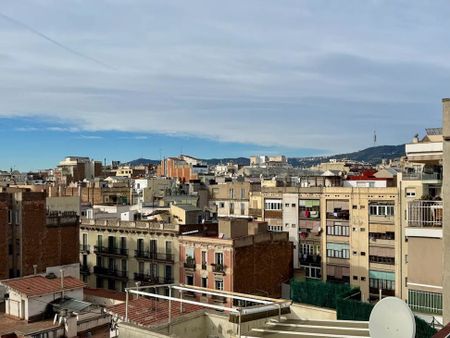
374,137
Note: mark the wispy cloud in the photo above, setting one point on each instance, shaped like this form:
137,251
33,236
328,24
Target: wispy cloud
64,129
26,129
89,137
296,74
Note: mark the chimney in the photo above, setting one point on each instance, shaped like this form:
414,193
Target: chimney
35,269
446,206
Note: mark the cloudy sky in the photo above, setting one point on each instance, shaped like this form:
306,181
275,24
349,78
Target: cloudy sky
122,79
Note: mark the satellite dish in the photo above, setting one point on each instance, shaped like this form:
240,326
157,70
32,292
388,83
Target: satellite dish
392,318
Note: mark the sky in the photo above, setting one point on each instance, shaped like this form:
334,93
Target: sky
118,80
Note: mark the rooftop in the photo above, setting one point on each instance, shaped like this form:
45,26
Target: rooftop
103,293
150,312
22,327
39,285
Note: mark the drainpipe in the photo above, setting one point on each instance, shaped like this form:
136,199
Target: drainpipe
62,282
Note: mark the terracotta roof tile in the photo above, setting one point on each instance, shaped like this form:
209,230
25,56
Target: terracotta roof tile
103,293
39,285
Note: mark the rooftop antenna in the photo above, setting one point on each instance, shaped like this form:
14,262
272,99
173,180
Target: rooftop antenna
374,137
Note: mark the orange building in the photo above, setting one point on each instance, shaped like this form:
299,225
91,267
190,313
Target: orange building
174,167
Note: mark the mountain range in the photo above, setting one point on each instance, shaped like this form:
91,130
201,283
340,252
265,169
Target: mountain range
372,155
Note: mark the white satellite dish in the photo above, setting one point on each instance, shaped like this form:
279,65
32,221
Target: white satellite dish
392,318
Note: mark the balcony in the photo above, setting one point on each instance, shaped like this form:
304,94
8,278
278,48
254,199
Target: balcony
421,176
384,292
382,260
84,270
218,299
218,269
425,214
309,214
204,266
84,249
148,279
108,251
110,272
154,256
189,264
339,215
252,212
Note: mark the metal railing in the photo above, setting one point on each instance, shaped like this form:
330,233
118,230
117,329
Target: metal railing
218,268
150,255
190,263
110,272
84,248
110,250
150,279
425,213
420,176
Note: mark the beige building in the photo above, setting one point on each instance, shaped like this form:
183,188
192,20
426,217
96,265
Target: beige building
231,199
116,254
421,191
341,234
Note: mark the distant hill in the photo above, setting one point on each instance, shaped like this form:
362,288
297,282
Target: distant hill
143,161
372,155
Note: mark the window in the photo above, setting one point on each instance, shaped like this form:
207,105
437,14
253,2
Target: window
243,195
219,284
219,258
141,267
204,282
10,216
273,205
338,250
242,208
363,279
231,193
386,210
312,272
355,277
382,260
221,205
410,192
337,229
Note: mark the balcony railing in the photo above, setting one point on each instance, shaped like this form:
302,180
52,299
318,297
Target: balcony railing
218,268
84,269
100,270
425,214
157,256
342,214
190,263
84,248
253,212
152,280
104,250
420,176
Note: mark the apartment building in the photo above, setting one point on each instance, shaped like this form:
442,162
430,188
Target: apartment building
421,189
179,168
33,235
341,234
117,254
232,199
243,258
76,168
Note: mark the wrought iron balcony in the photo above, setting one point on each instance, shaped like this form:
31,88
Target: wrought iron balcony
110,251
154,256
148,279
84,248
190,263
218,268
84,269
108,272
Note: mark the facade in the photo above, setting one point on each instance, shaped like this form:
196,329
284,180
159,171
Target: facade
116,254
341,234
35,236
173,167
76,168
232,199
243,258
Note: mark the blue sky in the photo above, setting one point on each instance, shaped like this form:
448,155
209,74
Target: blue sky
124,79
